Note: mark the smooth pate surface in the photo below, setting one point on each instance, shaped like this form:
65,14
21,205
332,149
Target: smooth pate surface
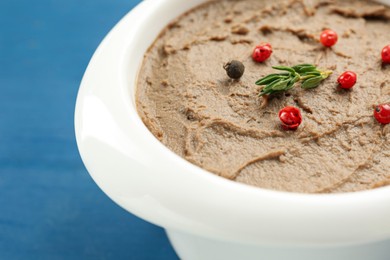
186,100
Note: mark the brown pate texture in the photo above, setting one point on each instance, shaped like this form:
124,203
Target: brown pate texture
186,100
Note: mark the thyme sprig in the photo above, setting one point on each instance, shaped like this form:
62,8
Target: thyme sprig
307,74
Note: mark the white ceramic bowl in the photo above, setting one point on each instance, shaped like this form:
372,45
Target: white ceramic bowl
206,217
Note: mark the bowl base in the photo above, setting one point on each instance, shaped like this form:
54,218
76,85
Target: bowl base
190,247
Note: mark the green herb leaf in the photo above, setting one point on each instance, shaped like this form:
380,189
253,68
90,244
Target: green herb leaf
292,82
281,85
311,73
304,67
307,70
270,78
291,70
312,82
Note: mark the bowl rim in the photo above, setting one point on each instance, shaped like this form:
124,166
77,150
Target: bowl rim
117,134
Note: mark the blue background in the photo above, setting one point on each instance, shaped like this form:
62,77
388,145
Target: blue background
49,206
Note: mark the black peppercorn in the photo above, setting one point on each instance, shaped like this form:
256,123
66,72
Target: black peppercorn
234,69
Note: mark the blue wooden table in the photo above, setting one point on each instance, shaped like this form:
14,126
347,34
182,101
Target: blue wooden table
49,206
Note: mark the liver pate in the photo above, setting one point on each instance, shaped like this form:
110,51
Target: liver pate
186,100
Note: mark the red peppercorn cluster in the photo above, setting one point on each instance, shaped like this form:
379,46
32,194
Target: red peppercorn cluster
291,116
